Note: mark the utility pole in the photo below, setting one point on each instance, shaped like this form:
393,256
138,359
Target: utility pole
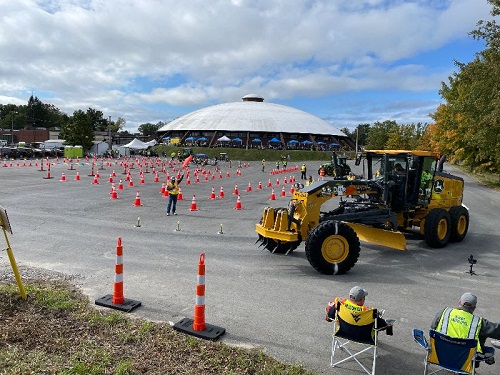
12,127
110,140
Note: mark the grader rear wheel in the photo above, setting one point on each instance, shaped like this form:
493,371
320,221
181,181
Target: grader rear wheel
332,248
437,228
459,217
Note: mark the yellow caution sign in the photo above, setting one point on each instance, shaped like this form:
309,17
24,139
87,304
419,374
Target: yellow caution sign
5,224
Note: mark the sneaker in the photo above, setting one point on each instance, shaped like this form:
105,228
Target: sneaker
175,213
168,214
490,361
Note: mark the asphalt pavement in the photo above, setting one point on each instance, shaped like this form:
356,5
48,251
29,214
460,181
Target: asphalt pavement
263,300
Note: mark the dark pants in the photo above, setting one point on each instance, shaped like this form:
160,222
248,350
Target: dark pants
172,200
303,175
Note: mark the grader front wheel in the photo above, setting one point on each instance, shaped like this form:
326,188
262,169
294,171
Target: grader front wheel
437,228
332,248
459,216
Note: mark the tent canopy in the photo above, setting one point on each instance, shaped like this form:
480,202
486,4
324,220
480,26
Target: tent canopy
275,140
237,140
202,139
306,142
136,144
256,140
190,139
151,143
293,141
223,139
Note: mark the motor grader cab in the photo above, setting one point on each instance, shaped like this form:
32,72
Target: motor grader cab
401,190
338,168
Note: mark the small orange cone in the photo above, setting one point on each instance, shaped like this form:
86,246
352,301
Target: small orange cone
120,185
114,194
113,174
96,180
212,195
142,182
193,204
63,178
179,196
292,190
238,204
283,192
162,191
137,202
157,178
273,197
130,182
110,180
249,188
260,185
269,183
188,181
77,176
235,191
277,182
284,180
197,179
221,193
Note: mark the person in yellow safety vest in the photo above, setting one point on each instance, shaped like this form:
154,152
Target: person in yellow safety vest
460,322
278,164
309,181
263,164
303,170
351,176
356,303
173,192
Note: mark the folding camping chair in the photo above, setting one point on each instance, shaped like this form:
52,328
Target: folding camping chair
358,329
447,353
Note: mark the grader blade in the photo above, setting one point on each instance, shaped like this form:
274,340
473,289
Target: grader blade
388,238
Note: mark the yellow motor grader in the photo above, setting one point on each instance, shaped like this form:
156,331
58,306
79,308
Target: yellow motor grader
402,190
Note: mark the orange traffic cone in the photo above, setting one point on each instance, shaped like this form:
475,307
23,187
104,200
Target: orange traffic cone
113,174
157,178
130,182
188,181
63,178
238,204
162,191
249,188
137,202
283,192
292,190
269,183
96,180
284,180
179,196
221,193
120,185
260,185
273,197
142,182
235,191
212,195
110,180
193,204
197,179
277,182
77,176
114,194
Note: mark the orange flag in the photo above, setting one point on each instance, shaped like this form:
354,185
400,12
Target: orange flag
187,161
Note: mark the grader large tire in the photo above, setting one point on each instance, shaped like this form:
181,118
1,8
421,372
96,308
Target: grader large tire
437,228
332,248
459,216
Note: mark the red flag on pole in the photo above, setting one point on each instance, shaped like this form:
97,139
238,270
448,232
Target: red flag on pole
187,161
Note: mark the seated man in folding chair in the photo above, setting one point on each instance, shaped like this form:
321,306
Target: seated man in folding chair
460,322
357,324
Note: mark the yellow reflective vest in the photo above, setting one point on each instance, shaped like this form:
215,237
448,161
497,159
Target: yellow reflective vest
173,188
461,324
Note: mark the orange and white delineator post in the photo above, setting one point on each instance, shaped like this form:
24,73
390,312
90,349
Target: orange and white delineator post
116,300
199,307
197,326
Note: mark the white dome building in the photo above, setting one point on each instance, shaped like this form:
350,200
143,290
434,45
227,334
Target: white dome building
253,123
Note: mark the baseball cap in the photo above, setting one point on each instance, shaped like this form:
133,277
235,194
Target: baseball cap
468,299
357,293
172,178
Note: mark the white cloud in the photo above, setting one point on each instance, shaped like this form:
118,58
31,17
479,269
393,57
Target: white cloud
124,55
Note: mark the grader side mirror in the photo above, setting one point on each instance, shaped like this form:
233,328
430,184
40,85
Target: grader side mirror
358,160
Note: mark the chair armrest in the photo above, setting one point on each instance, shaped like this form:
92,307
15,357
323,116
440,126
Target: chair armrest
419,337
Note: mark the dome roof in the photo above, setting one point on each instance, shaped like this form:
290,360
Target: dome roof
254,116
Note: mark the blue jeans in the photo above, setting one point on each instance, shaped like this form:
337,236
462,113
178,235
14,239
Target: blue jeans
172,203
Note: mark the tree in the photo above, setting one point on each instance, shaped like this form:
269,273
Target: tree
149,129
79,130
379,134
468,124
118,125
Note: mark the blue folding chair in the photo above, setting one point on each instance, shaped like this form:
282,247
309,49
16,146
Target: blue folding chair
355,329
447,353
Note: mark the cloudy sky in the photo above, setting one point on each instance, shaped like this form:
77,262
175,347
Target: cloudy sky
348,62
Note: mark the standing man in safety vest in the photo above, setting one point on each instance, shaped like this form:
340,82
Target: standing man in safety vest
263,164
303,170
460,322
173,192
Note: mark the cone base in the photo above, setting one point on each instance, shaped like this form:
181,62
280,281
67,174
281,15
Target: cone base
127,306
210,333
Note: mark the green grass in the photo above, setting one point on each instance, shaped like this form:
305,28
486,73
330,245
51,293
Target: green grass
56,331
236,154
